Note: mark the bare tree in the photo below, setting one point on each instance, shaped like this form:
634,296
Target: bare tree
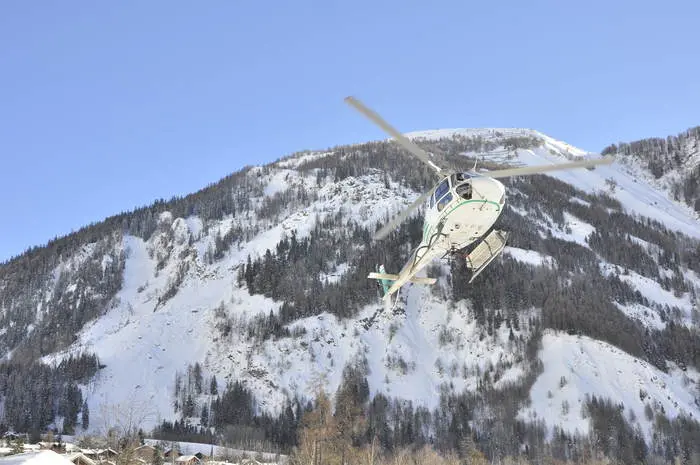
120,426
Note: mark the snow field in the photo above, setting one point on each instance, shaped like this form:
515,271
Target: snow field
577,366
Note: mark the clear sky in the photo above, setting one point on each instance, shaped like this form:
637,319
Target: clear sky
106,106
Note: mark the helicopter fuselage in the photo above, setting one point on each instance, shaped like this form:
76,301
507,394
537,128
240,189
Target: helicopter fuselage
462,208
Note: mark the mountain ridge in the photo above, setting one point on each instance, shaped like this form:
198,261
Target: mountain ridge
672,164
203,267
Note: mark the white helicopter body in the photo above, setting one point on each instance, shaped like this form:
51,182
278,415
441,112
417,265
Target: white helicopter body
462,208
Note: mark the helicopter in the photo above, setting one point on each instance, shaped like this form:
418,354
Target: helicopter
462,209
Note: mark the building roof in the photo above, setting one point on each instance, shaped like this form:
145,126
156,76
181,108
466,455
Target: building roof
79,456
186,458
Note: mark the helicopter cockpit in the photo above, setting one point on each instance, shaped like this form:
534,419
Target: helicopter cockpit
462,187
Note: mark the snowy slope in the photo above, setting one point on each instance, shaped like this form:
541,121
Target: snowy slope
409,356
636,195
577,366
434,344
142,343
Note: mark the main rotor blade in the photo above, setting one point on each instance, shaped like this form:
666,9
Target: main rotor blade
405,142
398,219
545,168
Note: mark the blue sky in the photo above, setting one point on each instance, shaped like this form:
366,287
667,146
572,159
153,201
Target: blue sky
106,106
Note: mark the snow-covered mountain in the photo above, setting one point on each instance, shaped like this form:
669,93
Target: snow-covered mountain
671,164
153,292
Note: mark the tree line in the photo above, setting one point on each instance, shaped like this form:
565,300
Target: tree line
35,395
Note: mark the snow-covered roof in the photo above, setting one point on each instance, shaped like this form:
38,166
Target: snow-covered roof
80,456
145,446
186,458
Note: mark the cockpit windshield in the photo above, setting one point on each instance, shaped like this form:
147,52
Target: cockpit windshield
463,185
459,178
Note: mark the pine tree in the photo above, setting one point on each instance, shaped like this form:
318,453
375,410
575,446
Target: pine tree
85,416
197,378
205,416
188,408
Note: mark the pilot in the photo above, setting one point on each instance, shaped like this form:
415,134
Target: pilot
465,191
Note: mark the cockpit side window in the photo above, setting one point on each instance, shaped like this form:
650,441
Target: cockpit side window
442,189
444,201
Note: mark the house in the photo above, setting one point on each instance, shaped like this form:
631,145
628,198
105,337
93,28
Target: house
169,452
99,455
78,458
106,454
91,453
188,460
145,452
